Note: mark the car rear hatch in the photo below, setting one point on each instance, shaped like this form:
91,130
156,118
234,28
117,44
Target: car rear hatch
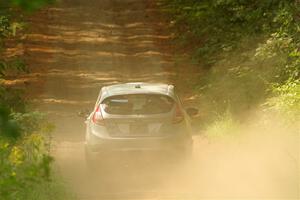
138,115
138,126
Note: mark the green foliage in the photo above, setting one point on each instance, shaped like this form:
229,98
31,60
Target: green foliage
22,166
286,100
250,53
218,26
8,127
248,46
13,65
9,29
12,98
32,4
224,126
30,122
4,27
50,190
24,153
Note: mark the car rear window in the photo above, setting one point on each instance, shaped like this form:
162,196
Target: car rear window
143,104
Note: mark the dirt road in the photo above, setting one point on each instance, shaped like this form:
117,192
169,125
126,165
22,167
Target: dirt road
79,46
75,49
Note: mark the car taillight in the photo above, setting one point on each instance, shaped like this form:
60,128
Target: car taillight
97,117
178,115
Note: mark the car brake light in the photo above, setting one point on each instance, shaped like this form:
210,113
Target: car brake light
178,115
97,117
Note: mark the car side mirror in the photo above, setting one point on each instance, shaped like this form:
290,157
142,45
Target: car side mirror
192,112
83,113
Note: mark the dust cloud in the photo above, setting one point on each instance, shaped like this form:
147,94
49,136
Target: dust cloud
262,162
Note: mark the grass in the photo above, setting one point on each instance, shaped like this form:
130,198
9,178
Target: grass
51,190
223,127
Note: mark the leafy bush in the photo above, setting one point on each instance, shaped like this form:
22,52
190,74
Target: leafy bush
4,27
24,153
223,126
286,100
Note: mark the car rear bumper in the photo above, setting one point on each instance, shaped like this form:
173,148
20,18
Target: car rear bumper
138,145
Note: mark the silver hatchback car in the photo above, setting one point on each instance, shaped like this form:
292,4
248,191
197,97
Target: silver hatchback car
138,117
